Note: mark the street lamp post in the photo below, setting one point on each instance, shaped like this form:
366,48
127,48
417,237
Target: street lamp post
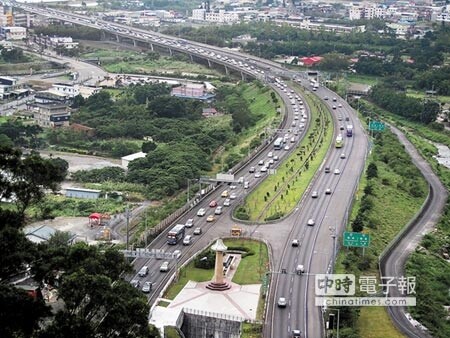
334,235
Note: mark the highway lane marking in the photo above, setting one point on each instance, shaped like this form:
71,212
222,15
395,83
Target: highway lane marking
289,315
290,291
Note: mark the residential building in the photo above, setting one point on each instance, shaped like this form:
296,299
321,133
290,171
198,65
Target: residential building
366,11
7,86
51,115
55,41
23,19
70,90
220,16
13,33
6,17
192,91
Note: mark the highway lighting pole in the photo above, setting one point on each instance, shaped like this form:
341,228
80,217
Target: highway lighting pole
334,235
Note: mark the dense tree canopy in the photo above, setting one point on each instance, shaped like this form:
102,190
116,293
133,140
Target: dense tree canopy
96,301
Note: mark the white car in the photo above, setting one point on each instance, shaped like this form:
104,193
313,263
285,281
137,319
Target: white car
189,223
311,222
264,169
233,196
282,302
315,194
226,203
337,171
201,212
176,254
286,147
257,175
342,155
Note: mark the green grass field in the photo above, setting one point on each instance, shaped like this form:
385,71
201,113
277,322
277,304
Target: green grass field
364,79
252,267
292,176
421,95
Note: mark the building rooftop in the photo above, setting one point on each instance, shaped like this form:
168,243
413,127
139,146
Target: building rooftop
134,156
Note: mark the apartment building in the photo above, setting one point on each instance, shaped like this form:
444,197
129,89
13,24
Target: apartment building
51,115
220,16
13,33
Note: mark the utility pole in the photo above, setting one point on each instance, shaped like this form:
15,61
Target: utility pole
127,215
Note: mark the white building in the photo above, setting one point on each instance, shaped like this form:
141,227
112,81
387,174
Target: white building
67,89
13,33
367,11
66,42
198,14
127,159
221,16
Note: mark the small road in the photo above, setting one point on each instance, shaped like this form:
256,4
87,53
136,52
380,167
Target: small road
395,261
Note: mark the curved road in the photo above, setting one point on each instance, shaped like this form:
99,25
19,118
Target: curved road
394,262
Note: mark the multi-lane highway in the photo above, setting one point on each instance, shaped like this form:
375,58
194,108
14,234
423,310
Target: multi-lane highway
316,244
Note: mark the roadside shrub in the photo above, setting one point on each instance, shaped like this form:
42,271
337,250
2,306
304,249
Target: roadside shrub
274,216
242,213
208,263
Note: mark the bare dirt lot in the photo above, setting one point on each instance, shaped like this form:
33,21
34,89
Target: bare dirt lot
83,162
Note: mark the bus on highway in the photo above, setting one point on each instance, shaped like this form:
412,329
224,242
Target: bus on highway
339,141
176,234
278,144
349,130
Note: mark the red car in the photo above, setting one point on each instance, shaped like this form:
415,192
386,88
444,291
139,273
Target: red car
213,204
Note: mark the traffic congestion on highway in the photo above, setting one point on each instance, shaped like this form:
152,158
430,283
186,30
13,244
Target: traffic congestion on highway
310,246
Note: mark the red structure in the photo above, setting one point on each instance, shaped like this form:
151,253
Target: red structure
97,218
311,60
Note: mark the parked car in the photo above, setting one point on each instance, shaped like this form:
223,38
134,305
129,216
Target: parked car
147,287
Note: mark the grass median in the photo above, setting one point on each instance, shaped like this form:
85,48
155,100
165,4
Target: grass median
278,194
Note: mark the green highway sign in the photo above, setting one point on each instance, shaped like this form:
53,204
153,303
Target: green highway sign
356,239
376,125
